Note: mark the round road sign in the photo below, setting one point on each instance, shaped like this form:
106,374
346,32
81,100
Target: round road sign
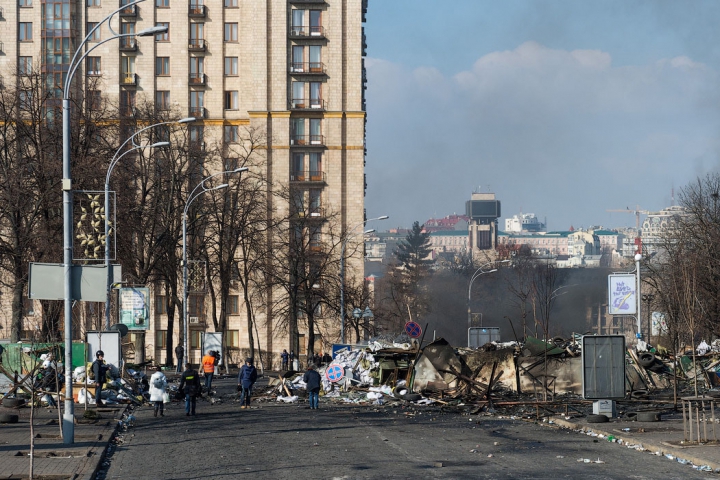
413,329
334,373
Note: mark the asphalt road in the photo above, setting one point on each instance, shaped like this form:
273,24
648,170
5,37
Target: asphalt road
280,441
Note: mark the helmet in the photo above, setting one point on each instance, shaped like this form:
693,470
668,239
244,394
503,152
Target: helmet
99,353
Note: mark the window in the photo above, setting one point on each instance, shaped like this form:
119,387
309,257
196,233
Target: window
197,104
93,65
315,62
298,58
233,338
315,195
298,95
127,70
162,66
298,22
195,339
231,32
232,100
96,34
196,305
197,69
231,3
94,99
233,305
231,133
298,166
92,3
315,166
197,34
25,3
315,136
231,66
315,95
160,339
162,3
196,133
165,36
25,99
162,100
127,102
160,304
25,66
25,32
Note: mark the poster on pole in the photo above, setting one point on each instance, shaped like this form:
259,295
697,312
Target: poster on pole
622,295
135,307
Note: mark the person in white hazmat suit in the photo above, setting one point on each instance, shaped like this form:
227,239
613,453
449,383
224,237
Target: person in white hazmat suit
158,386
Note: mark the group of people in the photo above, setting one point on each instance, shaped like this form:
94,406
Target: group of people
317,359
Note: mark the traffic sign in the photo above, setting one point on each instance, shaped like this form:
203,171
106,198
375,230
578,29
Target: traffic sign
334,372
413,329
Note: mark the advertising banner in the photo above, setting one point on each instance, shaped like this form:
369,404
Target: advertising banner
622,295
135,307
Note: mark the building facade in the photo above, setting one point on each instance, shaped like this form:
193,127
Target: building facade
292,68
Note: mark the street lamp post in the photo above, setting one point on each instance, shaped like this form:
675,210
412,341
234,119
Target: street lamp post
116,158
342,271
193,195
638,257
68,426
480,271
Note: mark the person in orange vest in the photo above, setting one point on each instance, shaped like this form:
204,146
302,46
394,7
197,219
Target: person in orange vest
208,366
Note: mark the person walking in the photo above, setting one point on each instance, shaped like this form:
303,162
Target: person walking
292,359
246,380
158,385
312,382
99,370
208,366
284,356
179,353
190,386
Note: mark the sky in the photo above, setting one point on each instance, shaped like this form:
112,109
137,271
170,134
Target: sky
561,108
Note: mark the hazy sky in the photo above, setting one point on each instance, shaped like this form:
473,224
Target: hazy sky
564,109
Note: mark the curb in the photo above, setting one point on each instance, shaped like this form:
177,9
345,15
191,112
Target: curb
663,449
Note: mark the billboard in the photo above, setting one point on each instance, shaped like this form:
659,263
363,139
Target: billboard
135,307
603,359
622,295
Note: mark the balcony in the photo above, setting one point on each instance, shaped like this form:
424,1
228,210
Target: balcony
197,80
197,112
307,176
307,140
316,104
128,79
197,11
129,12
311,68
197,45
305,31
128,44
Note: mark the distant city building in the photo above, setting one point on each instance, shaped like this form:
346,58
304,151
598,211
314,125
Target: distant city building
524,223
483,210
449,223
454,241
540,244
657,224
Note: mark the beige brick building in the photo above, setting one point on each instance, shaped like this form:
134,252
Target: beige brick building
292,67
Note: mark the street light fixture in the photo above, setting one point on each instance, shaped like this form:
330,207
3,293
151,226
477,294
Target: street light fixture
480,271
116,158
68,421
193,195
342,271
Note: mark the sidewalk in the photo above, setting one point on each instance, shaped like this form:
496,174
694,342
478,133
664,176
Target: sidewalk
54,459
665,437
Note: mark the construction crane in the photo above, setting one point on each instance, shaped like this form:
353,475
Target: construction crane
637,213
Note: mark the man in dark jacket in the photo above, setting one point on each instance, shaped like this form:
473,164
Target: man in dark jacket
99,370
246,380
190,386
312,382
179,353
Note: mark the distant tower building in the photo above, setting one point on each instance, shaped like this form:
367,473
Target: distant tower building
483,210
524,223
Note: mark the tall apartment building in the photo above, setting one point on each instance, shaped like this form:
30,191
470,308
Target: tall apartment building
292,67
